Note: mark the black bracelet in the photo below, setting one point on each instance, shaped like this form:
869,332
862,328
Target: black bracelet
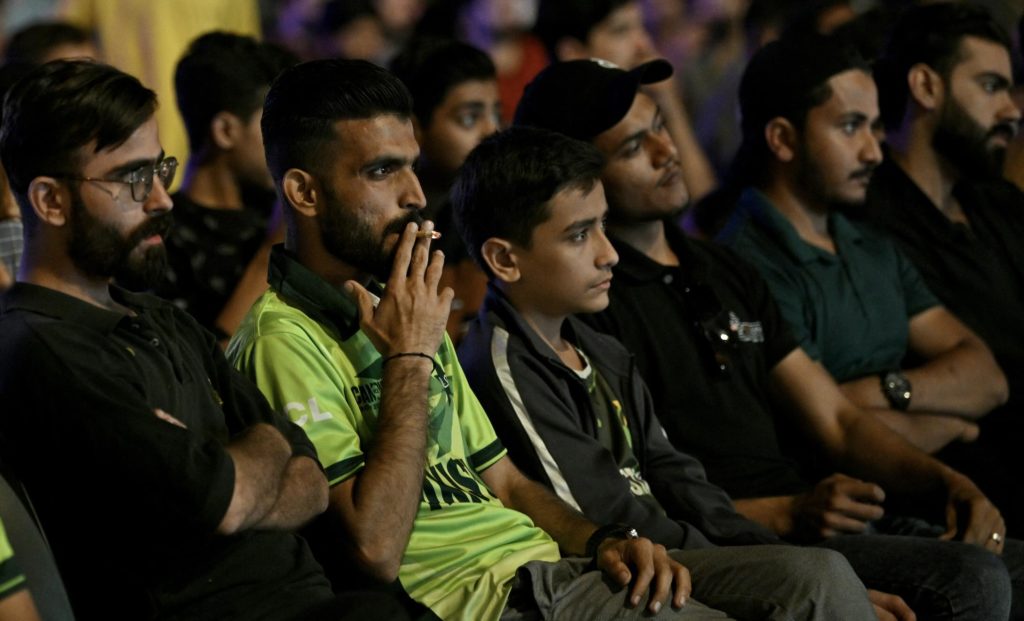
619,531
438,369
406,354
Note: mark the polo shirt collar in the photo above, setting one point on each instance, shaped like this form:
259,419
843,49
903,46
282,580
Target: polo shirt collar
52,303
755,205
636,266
313,295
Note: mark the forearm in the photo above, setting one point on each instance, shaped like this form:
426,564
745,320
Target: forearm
927,432
964,381
874,453
567,527
302,495
775,512
259,455
385,495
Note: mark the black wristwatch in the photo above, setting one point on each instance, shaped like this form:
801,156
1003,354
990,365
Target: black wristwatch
618,531
896,388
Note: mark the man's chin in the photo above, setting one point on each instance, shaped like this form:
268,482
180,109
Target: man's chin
143,271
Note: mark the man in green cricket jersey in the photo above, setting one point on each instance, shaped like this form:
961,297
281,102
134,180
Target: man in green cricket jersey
421,489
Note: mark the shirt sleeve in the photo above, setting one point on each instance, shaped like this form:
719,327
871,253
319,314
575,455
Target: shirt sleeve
789,296
779,338
918,296
306,382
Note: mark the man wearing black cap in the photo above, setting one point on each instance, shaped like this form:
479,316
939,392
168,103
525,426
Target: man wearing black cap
725,372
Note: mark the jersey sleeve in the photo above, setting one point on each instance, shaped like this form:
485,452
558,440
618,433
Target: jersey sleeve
302,380
11,578
918,296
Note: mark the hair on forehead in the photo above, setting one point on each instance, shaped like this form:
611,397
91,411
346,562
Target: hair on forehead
306,101
504,186
61,107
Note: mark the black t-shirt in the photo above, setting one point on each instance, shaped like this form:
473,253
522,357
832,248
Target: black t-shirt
710,394
130,503
208,251
977,271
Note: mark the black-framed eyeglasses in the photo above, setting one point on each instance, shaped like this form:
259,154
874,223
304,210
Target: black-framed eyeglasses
139,180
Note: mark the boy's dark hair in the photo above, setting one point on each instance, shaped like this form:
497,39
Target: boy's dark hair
558,19
503,188
430,67
786,78
32,43
224,72
306,100
931,34
60,107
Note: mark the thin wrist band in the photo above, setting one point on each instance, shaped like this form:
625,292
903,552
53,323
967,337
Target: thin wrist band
438,369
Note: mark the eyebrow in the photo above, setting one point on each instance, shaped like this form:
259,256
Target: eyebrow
394,161
133,165
585,223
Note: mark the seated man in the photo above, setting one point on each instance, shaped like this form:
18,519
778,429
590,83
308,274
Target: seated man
421,489
944,95
853,300
190,483
569,405
223,209
454,92
726,375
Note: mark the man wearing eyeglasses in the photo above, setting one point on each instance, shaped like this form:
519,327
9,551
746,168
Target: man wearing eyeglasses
165,483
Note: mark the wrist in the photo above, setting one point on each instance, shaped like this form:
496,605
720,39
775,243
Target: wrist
896,389
608,531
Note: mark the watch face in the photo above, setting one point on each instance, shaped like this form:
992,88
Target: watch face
897,390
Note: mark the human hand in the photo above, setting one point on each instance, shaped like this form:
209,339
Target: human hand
651,567
889,607
837,504
412,313
971,516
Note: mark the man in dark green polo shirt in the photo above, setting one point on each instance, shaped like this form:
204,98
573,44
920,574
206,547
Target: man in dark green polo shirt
810,119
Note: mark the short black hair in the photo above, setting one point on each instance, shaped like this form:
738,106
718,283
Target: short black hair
306,100
786,78
931,34
60,107
503,187
430,67
558,19
32,43
224,72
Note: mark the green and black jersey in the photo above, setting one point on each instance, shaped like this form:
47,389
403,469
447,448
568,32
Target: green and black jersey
11,578
301,344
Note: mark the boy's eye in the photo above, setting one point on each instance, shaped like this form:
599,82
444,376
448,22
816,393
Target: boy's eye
468,119
850,127
631,148
379,172
578,236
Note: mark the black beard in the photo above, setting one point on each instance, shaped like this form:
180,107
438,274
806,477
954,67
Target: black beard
101,251
962,142
350,239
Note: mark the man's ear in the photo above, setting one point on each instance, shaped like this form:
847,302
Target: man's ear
301,191
225,129
498,255
50,200
780,135
570,48
925,86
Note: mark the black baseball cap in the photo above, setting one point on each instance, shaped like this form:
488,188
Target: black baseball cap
582,98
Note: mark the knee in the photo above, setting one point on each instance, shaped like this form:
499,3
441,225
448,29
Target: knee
821,566
982,583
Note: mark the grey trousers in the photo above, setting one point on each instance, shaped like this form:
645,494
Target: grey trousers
780,583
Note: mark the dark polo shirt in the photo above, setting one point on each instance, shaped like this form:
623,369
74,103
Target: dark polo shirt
711,395
129,502
850,310
977,271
